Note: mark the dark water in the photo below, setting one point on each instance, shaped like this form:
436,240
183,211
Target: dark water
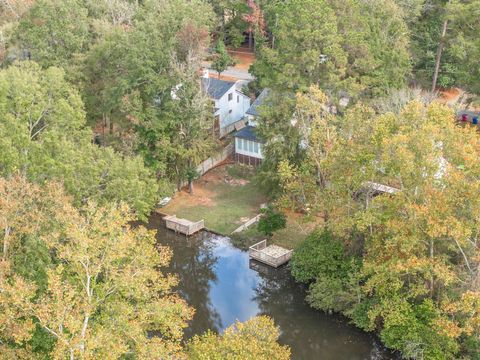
223,285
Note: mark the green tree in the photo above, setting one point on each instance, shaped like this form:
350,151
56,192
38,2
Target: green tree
221,59
43,136
446,46
54,31
271,220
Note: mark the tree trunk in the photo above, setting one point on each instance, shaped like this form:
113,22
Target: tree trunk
250,39
190,187
438,57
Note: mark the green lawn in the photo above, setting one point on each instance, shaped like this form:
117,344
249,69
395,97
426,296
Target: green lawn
293,234
224,206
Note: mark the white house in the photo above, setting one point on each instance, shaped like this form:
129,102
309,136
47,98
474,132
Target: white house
231,104
253,111
248,145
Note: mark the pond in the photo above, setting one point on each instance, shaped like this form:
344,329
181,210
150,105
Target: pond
223,285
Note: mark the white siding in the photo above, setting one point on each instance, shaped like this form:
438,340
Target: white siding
248,147
233,110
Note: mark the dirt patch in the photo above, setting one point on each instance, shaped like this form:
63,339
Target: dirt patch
235,182
450,95
200,196
243,57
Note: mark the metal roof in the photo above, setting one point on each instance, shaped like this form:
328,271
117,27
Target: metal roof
216,88
248,133
258,102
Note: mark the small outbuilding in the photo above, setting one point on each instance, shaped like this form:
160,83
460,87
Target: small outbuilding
248,146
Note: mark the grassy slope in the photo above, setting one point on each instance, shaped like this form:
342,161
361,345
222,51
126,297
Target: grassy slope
228,206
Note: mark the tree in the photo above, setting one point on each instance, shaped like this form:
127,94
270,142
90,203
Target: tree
105,293
271,220
254,339
418,282
53,31
154,107
222,59
307,49
446,48
43,136
353,46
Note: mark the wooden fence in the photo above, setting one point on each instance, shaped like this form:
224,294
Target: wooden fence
215,160
247,224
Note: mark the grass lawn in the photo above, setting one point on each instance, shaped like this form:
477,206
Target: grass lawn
225,198
297,229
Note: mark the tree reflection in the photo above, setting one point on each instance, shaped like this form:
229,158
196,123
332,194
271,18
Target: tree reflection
193,262
311,334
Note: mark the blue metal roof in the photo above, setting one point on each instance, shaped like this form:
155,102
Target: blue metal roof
216,88
258,102
248,133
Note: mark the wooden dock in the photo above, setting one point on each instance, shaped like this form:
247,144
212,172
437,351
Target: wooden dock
272,255
183,226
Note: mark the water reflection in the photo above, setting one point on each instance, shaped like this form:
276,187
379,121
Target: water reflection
223,285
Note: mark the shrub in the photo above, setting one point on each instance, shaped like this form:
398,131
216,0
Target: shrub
271,220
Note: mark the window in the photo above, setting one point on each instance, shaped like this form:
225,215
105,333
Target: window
238,98
255,148
230,111
239,144
230,97
250,146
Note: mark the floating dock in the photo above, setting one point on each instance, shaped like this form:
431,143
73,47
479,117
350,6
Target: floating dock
272,255
183,226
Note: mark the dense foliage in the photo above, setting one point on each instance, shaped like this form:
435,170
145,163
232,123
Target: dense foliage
96,291
252,340
43,135
405,264
271,220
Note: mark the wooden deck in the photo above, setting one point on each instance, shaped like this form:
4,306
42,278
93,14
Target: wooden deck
272,255
183,226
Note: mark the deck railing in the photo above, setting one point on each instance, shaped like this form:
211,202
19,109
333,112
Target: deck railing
256,252
183,226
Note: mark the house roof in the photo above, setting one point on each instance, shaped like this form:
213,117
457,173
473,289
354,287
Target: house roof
259,101
216,88
248,133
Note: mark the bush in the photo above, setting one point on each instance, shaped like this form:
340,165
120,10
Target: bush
271,220
319,255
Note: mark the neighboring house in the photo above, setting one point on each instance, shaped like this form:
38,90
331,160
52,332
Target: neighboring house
248,146
253,111
230,104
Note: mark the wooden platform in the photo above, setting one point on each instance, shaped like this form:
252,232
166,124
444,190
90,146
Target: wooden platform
272,255
183,226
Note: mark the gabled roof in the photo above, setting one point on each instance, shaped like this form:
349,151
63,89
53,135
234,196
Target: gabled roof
216,88
259,101
248,133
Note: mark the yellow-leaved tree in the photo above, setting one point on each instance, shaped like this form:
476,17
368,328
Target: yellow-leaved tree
101,294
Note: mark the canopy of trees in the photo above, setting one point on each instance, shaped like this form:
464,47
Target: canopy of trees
405,264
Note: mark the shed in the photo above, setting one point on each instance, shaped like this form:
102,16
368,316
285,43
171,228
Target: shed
248,146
